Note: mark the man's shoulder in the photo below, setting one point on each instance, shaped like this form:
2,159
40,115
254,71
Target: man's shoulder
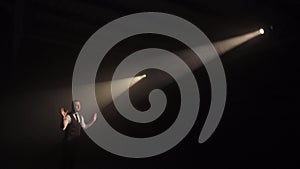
68,117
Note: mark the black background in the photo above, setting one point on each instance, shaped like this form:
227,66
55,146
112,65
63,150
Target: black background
40,41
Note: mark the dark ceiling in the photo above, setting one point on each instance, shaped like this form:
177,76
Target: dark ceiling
37,33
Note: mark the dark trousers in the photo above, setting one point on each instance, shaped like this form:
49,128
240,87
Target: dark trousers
70,153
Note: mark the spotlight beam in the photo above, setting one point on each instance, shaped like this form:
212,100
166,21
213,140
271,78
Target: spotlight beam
105,87
137,79
221,47
226,45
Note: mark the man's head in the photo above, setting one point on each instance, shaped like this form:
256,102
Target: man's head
76,106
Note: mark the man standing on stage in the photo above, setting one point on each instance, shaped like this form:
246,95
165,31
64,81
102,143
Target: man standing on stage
72,124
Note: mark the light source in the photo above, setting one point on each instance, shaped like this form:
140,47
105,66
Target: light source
261,31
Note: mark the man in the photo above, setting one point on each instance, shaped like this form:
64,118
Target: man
71,125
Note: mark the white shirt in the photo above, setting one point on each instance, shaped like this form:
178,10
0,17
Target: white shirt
80,120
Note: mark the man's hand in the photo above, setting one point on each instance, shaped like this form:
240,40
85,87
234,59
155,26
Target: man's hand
95,117
63,112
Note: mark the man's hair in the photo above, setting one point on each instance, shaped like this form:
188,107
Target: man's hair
75,101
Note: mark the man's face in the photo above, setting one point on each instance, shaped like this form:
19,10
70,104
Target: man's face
77,106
